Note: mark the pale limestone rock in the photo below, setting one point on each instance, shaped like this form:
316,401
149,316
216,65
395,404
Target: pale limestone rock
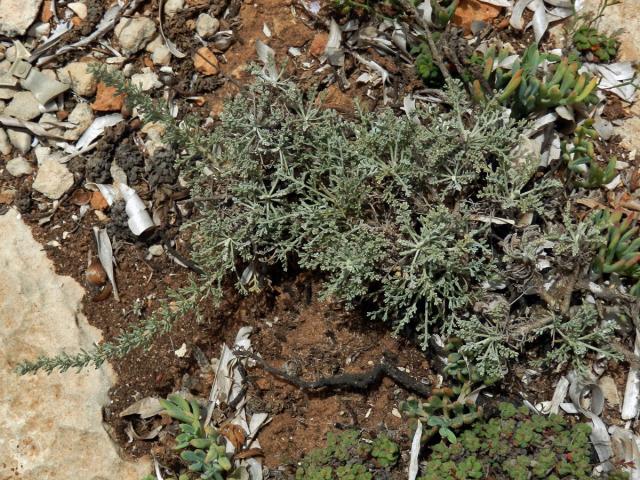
160,53
155,132
155,43
23,106
161,56
171,7
20,140
10,54
39,30
53,179
7,93
17,15
50,425
206,25
19,166
5,144
630,129
77,75
82,116
147,80
79,8
134,33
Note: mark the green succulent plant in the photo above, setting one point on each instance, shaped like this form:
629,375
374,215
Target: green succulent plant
442,12
200,448
425,66
621,253
441,415
514,445
526,88
347,456
385,451
589,40
353,472
581,157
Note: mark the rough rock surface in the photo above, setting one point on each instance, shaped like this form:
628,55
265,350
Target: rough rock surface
20,140
5,144
77,74
19,166
23,106
206,25
171,7
82,116
53,179
133,34
50,426
17,15
147,80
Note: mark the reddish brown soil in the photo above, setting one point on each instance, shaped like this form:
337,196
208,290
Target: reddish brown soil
291,326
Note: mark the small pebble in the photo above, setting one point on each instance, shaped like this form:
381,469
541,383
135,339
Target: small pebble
206,25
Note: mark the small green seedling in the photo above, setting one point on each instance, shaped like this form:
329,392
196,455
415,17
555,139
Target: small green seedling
200,445
588,40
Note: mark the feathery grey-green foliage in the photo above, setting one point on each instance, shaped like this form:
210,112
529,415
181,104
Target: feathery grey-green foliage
393,212
362,202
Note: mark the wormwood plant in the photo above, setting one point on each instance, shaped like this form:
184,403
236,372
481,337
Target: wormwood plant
575,336
385,208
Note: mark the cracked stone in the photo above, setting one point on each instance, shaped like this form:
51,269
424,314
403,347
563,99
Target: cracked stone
17,15
19,166
82,116
23,106
53,179
49,423
133,34
77,75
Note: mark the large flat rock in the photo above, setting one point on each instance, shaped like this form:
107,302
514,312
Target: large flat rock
17,15
50,426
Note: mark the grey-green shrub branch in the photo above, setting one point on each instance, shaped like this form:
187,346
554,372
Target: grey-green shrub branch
140,335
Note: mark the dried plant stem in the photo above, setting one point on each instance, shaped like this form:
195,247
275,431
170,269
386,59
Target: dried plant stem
356,381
